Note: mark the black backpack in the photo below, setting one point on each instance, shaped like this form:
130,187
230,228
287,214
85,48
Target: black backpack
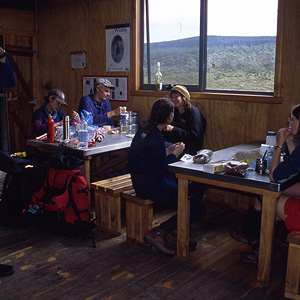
24,177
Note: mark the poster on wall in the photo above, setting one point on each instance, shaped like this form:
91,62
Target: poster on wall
120,82
118,48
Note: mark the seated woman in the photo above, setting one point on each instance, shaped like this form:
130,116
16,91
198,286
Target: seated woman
188,125
288,205
52,107
148,166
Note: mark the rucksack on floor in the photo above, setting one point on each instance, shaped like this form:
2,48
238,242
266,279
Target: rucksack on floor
62,204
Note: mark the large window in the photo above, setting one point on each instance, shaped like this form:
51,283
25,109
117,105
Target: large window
210,45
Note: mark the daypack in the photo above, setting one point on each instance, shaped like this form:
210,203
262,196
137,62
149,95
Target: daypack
24,177
62,204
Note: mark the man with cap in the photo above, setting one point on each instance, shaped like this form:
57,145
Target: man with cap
188,125
98,103
54,101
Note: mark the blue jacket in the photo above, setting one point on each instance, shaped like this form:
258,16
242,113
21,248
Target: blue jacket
99,111
7,75
290,166
40,118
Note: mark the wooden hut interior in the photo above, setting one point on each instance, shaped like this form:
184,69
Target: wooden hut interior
40,37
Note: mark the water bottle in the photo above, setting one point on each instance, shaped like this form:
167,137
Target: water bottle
271,138
83,136
50,130
124,122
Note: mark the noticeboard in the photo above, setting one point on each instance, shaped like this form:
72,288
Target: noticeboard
120,82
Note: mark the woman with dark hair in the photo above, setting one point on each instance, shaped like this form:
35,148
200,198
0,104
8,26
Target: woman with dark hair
188,125
148,166
288,205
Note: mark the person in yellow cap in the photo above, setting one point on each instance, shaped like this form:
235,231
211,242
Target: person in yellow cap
188,125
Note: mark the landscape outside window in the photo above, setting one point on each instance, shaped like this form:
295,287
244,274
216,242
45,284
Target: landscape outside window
239,41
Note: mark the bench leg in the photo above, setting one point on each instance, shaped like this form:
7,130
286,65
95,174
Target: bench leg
293,272
108,211
139,220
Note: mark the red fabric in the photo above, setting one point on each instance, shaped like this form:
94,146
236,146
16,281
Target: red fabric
292,210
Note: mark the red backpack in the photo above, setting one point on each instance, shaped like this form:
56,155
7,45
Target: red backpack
62,203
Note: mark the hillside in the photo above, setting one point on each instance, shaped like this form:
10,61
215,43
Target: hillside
239,63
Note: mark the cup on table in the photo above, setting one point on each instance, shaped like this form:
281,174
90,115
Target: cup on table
261,166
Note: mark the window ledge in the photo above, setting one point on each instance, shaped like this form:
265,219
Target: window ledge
214,96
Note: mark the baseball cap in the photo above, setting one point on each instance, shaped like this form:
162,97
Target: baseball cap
59,96
105,82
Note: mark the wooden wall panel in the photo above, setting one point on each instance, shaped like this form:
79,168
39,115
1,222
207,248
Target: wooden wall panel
17,20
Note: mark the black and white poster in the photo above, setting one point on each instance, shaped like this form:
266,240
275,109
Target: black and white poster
118,48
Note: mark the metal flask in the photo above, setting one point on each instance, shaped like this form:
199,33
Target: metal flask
66,128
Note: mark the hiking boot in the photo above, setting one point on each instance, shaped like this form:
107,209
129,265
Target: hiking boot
238,235
158,239
252,256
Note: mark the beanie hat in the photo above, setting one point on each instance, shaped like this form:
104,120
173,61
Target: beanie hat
182,90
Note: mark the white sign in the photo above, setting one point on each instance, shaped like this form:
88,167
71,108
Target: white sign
78,60
119,94
118,48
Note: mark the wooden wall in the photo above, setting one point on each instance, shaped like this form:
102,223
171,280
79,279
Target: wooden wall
80,25
19,32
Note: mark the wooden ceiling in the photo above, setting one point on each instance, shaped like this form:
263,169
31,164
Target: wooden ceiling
18,4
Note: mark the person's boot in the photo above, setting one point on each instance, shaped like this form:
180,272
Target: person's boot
6,270
252,256
158,239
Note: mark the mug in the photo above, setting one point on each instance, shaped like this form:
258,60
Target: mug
261,165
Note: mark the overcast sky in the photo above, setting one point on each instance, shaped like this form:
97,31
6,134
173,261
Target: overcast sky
225,17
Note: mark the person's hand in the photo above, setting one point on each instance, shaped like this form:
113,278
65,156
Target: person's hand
75,116
176,149
117,111
282,136
58,123
168,128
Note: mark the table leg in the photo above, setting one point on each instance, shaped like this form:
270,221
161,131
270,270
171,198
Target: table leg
87,170
268,219
183,218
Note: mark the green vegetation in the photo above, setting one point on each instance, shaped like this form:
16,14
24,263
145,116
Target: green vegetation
233,63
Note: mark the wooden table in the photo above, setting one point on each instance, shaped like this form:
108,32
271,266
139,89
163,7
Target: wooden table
112,142
251,182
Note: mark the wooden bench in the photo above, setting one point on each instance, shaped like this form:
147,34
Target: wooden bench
139,217
108,202
292,281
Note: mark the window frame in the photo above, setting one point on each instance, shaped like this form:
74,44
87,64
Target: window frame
261,97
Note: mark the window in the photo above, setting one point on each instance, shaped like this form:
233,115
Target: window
210,45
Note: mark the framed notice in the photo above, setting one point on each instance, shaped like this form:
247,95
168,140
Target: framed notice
120,82
118,48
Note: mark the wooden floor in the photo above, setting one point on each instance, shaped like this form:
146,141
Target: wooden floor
56,267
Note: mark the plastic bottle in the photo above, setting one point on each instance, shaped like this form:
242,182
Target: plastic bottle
83,136
124,122
50,130
271,138
158,78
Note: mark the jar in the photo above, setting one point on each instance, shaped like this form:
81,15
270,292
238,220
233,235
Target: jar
271,138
